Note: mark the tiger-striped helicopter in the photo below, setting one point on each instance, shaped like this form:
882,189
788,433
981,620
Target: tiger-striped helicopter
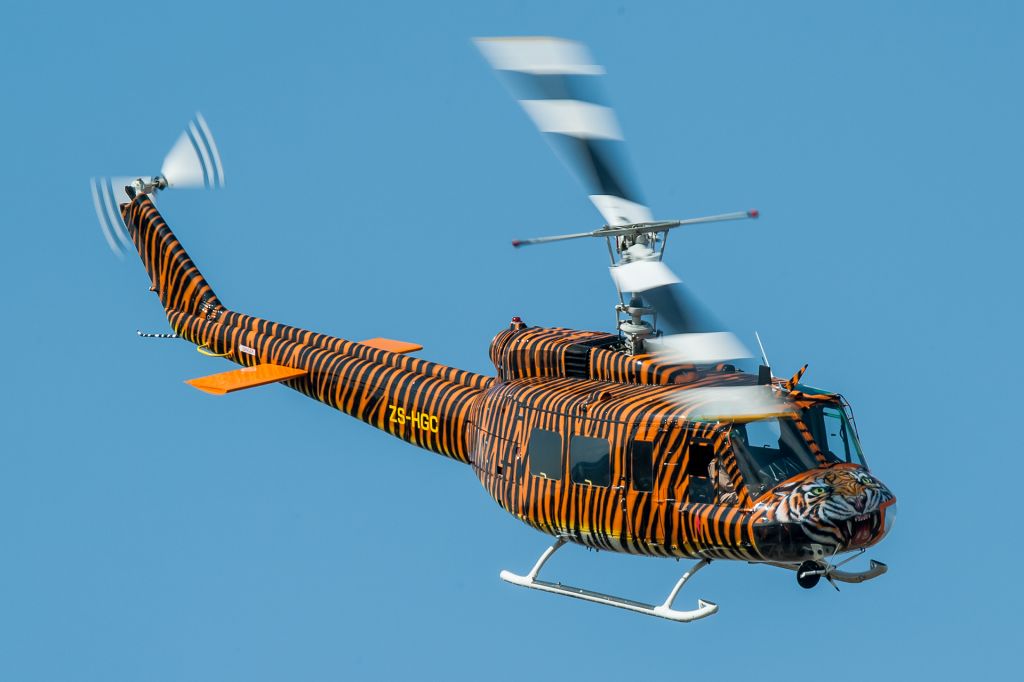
650,440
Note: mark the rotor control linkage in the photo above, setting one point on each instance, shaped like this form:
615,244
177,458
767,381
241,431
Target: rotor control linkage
663,610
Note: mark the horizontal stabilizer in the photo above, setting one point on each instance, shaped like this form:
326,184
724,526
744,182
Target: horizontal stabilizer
247,377
392,346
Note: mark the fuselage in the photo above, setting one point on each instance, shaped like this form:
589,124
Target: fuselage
572,436
619,465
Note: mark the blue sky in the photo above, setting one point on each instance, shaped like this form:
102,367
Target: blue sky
376,172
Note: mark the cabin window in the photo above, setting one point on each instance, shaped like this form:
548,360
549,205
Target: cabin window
642,465
590,461
700,486
834,434
544,453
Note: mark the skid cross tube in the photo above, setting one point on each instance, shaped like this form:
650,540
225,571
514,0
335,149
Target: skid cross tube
663,610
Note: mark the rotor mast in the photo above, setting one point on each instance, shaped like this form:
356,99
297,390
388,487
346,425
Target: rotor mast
637,243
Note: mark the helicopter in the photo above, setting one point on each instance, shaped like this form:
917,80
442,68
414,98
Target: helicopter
648,440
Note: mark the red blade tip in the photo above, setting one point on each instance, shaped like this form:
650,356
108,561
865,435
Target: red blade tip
753,213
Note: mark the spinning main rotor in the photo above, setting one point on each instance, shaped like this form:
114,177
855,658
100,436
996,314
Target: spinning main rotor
556,82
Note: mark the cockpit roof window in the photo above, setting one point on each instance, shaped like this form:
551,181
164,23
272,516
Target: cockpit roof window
768,452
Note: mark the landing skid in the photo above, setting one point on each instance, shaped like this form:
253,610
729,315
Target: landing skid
663,610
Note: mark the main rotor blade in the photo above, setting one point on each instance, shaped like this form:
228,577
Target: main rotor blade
735,403
694,334
701,348
558,85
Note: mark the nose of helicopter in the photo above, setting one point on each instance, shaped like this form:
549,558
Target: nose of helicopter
839,508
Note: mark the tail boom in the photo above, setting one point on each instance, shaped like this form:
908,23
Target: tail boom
173,275
424,403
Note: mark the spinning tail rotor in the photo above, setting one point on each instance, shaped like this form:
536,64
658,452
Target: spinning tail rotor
556,82
193,163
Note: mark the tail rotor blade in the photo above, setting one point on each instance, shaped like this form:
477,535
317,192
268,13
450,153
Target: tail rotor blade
107,196
214,153
194,161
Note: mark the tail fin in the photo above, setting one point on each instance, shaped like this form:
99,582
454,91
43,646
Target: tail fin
175,277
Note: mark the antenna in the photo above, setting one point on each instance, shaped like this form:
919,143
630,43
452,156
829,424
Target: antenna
764,356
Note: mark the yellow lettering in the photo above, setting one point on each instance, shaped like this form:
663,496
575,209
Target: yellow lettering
421,420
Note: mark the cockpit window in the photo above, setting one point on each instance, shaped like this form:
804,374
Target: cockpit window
834,434
768,452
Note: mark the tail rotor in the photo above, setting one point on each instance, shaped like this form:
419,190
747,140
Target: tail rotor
193,163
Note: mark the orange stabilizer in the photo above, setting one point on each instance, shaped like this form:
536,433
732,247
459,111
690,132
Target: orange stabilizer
391,345
246,377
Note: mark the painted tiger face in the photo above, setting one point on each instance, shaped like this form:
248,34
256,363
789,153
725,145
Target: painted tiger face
840,507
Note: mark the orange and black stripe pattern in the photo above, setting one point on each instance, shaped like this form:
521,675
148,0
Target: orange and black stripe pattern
567,382
174,276
368,383
620,516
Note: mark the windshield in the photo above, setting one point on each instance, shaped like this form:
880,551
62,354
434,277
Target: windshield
834,434
768,452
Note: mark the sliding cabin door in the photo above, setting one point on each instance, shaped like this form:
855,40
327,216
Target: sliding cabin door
541,472
596,474
644,488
